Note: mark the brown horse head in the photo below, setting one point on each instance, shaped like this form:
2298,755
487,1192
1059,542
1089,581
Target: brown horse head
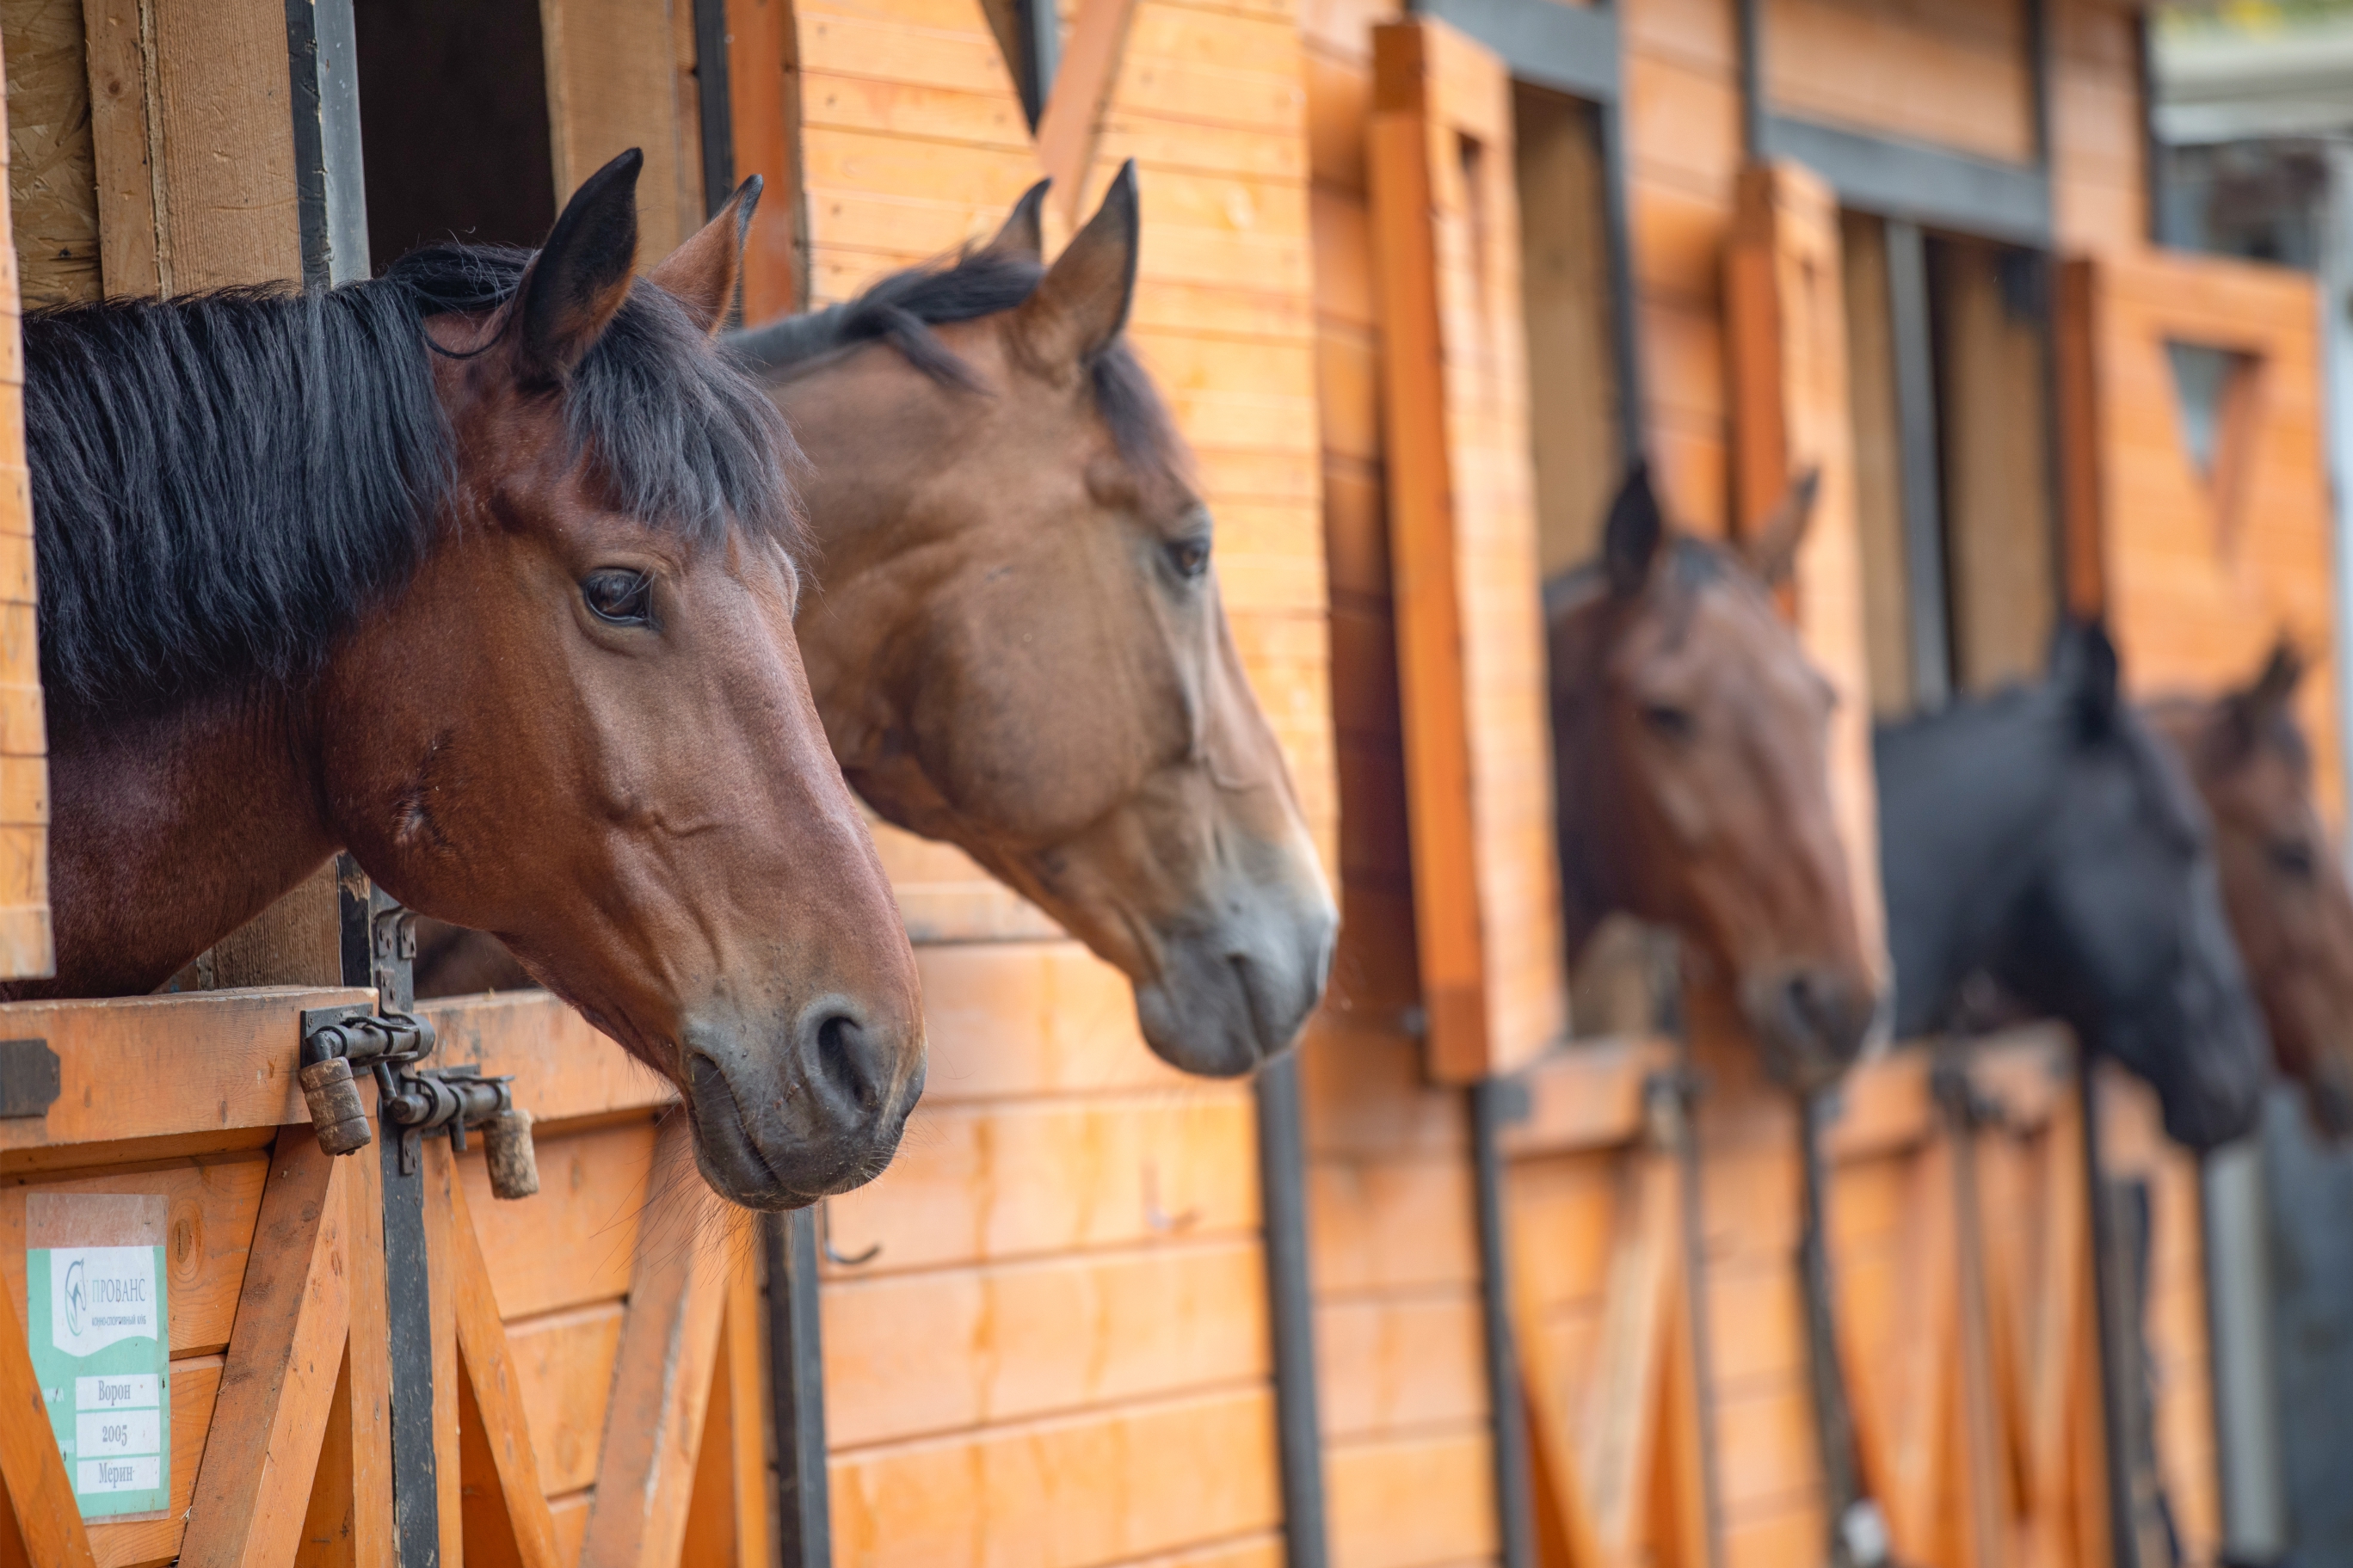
569,707
2286,890
1690,734
1019,646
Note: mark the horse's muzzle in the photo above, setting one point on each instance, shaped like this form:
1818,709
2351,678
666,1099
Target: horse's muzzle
779,1129
1235,992
1812,1022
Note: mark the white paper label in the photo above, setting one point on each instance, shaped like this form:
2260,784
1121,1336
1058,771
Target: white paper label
118,1474
132,1391
119,1433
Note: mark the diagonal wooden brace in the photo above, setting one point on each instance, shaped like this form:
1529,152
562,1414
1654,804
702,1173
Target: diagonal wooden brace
498,1426
661,1391
284,1353
40,1492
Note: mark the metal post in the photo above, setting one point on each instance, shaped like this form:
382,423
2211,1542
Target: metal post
330,179
1291,1311
1679,1101
1625,352
1493,1103
1911,337
796,1360
2108,1301
1858,1534
1040,25
2236,1225
714,104
1752,77
376,954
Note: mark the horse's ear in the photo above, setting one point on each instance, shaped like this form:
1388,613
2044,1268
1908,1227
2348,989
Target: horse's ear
1081,303
1773,553
701,274
1023,237
577,283
1631,538
2084,665
2255,708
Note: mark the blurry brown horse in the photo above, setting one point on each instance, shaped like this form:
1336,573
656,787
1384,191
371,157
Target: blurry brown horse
1689,735
483,570
2286,890
1019,646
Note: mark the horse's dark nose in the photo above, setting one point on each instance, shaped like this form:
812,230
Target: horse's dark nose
1811,1019
844,1062
783,1117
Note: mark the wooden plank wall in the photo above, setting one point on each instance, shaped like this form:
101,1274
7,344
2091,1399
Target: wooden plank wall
1059,1354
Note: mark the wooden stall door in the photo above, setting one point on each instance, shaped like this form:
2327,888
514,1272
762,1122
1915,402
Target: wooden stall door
1788,346
2197,501
1462,537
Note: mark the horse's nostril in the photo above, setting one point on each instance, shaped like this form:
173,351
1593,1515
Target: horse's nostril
841,1054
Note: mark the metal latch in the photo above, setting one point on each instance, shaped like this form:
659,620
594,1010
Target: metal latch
458,1098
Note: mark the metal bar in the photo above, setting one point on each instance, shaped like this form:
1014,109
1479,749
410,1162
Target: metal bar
1694,1219
2038,77
1911,335
1493,1103
330,180
1041,47
797,1359
368,917
1291,1311
1568,48
1625,351
2154,203
408,1313
2116,1421
2235,1223
714,104
1826,1375
1752,79
1917,181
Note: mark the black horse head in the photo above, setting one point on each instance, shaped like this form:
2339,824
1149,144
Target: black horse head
2044,838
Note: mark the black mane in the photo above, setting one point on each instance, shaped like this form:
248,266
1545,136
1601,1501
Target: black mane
901,309
223,482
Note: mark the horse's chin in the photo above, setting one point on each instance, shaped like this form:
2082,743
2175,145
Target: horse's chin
1233,993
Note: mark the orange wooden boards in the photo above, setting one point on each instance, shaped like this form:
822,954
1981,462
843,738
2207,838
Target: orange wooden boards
2199,522
1786,320
1462,539
25,946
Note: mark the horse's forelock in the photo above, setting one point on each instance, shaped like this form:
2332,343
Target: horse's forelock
676,429
901,308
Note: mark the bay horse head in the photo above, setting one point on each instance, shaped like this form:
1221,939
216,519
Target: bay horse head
2046,839
2290,910
1691,738
484,570
1020,646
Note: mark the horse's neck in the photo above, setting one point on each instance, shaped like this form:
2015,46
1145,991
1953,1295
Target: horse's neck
1964,799
169,832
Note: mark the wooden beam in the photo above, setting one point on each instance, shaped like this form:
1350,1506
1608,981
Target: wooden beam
661,1384
1462,544
284,1355
47,1517
764,110
349,1523
747,1407
491,1390
1082,83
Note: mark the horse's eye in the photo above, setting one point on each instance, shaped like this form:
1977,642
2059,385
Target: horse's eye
1667,722
1188,558
2293,857
620,596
